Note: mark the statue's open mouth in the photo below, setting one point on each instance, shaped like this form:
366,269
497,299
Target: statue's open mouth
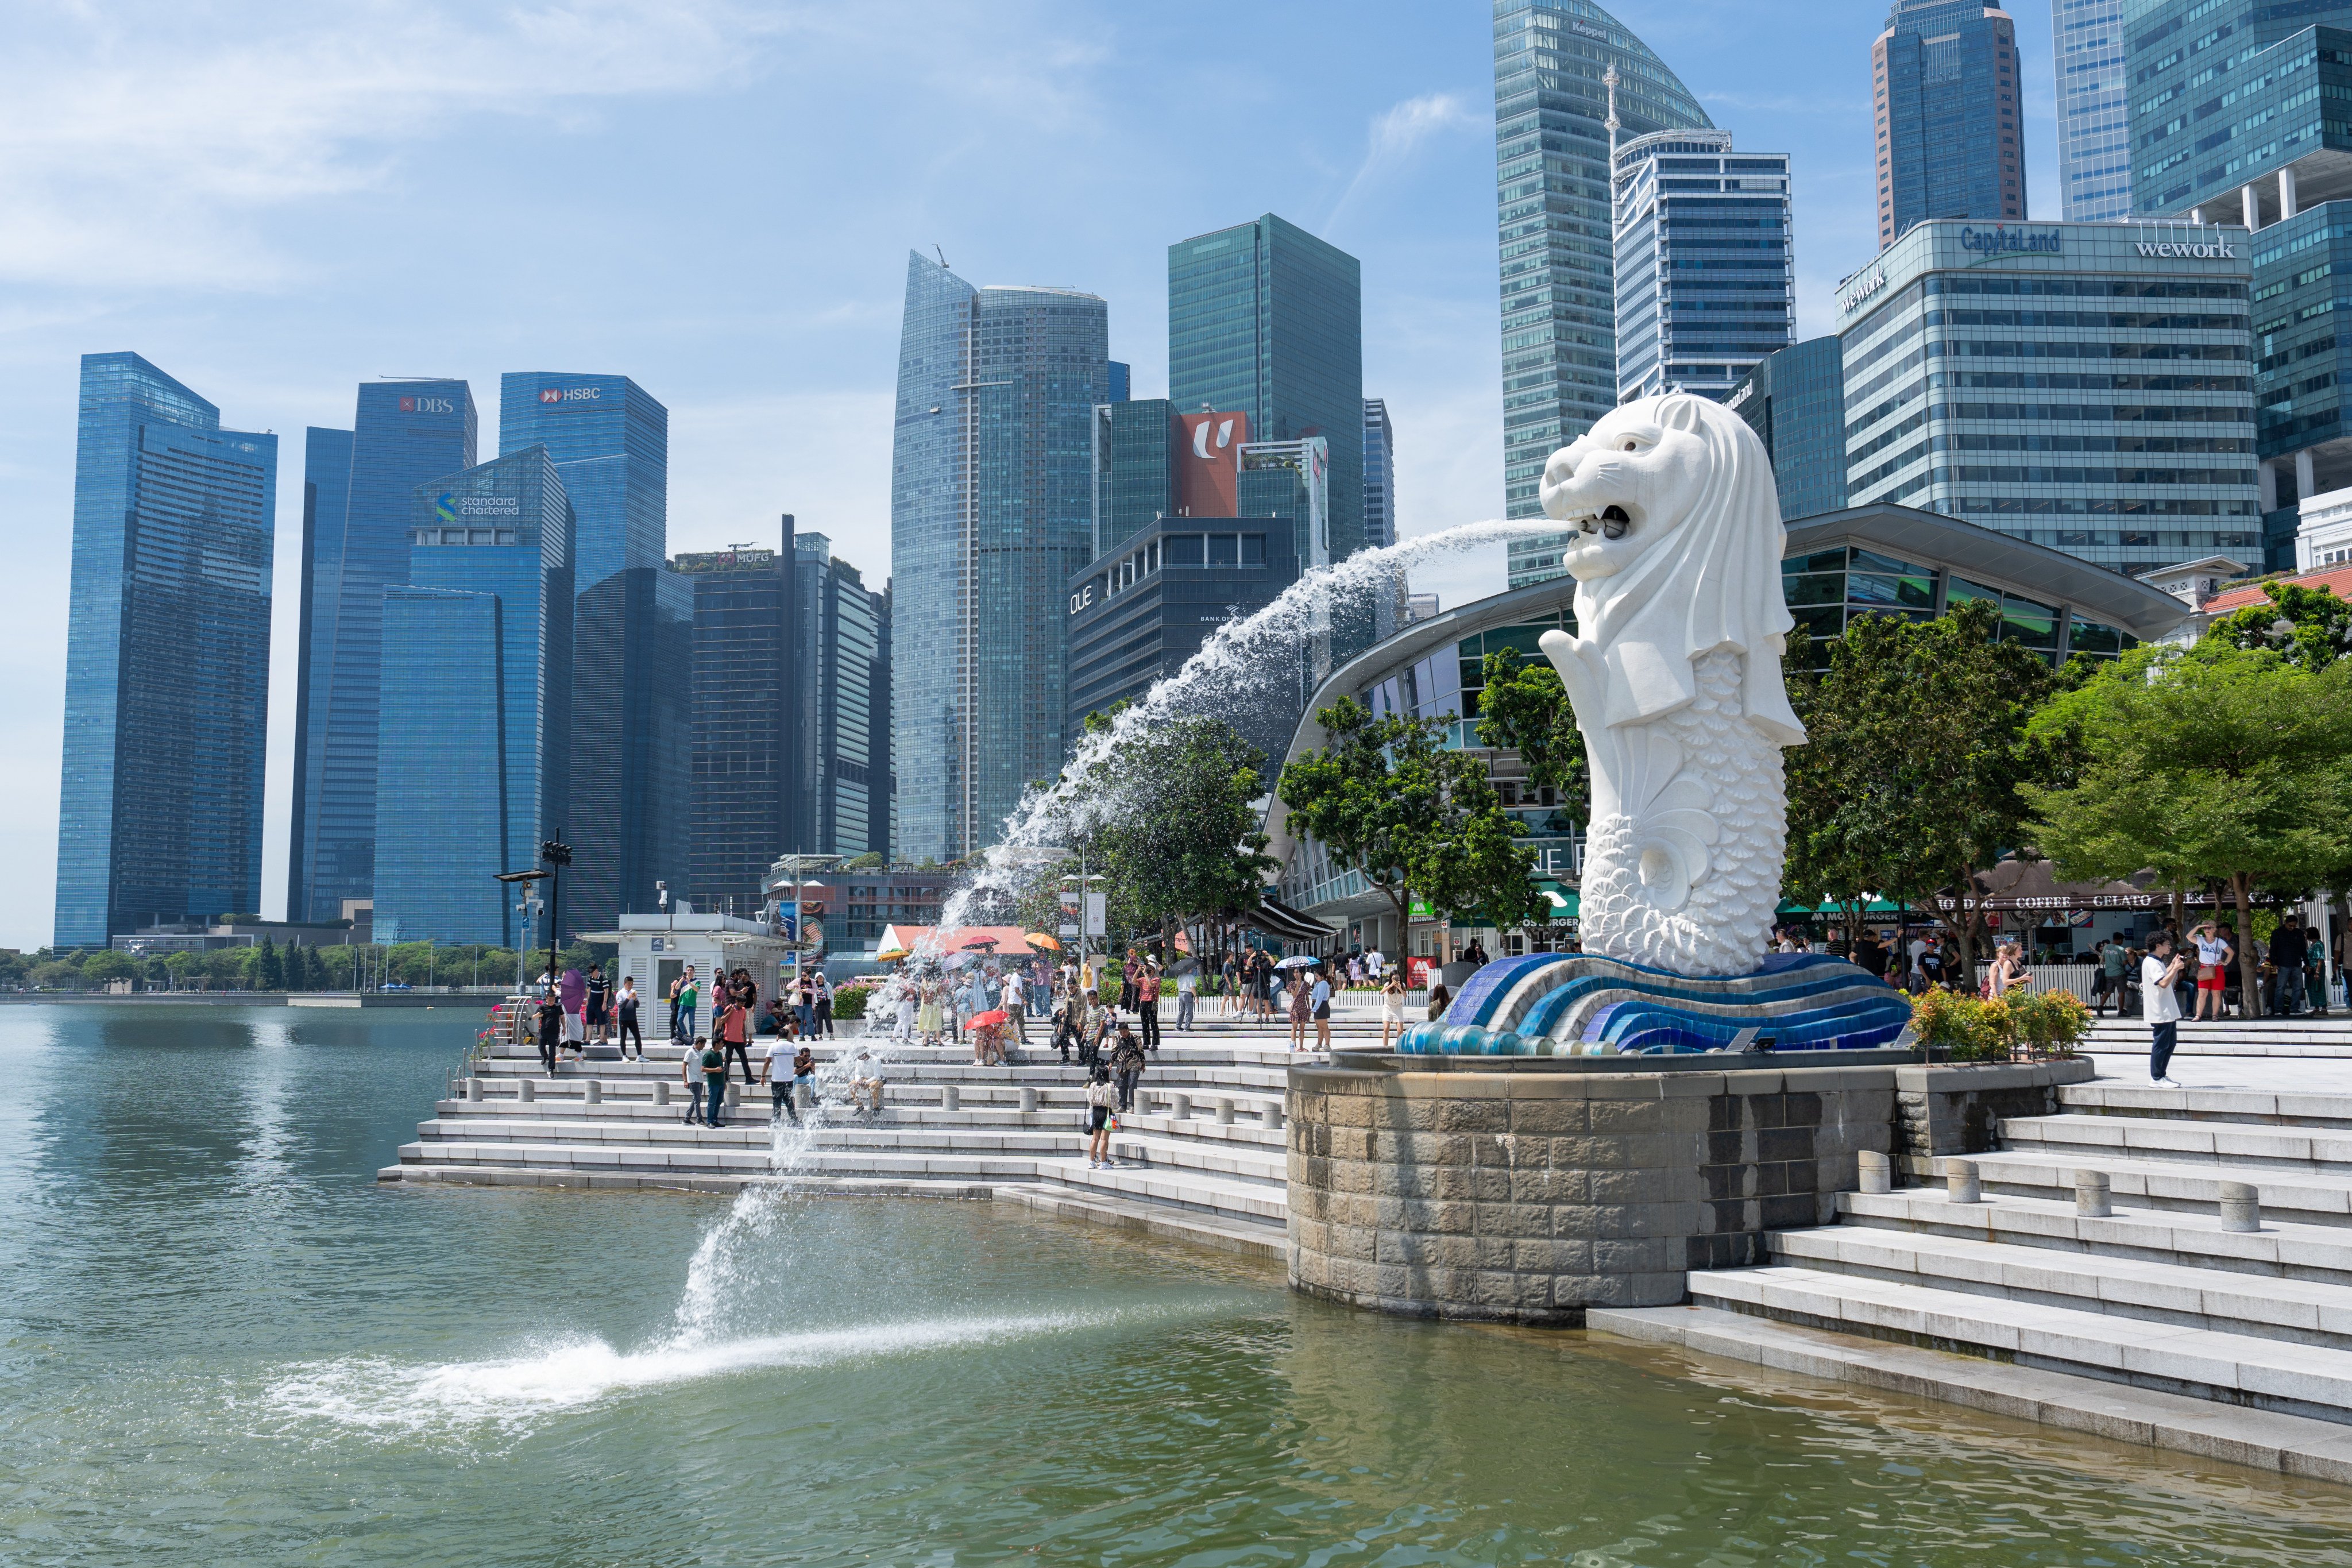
1610,522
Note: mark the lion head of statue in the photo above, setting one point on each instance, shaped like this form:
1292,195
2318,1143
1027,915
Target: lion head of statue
1675,549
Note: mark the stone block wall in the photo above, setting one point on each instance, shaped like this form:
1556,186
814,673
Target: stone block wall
1956,1109
1528,1195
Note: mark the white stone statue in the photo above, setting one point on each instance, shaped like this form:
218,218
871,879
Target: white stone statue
1674,674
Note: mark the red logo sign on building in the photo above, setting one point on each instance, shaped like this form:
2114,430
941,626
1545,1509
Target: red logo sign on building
1209,463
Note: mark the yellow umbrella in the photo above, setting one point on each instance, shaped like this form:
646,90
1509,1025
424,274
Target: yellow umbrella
1041,943
891,954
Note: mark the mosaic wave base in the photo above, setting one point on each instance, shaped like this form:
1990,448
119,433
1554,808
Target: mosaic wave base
1549,1003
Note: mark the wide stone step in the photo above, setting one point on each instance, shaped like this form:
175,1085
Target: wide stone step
2222,1142
641,1134
2321,1040
1263,1202
684,1158
2244,1369
2254,1106
2308,1197
2281,1249
560,1116
2262,1440
2305,1311
1226,1231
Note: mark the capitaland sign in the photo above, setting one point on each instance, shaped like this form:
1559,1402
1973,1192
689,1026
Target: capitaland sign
569,393
2182,250
1863,287
2001,239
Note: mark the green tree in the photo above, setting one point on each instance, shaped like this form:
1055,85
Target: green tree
1166,814
270,968
58,974
107,964
1913,778
2318,625
2224,763
1386,798
1524,707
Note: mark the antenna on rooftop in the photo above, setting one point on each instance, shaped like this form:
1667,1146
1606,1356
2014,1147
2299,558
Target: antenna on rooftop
942,255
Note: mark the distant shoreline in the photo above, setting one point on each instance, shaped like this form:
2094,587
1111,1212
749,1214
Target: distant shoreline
329,1000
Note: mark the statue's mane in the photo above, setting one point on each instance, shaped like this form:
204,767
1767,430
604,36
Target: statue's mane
1711,581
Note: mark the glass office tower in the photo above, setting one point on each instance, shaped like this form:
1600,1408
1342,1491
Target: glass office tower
1945,78
609,439
2081,386
1380,474
844,648
1265,320
745,722
1795,401
1551,171
474,734
2231,124
167,659
2094,118
1706,272
990,511
357,501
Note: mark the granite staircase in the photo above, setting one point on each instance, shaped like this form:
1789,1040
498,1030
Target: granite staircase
1201,1157
2168,1266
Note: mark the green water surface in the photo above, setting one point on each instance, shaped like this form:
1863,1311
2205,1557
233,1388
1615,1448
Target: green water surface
222,1343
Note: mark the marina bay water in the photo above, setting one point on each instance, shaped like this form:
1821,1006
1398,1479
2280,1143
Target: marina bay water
221,1342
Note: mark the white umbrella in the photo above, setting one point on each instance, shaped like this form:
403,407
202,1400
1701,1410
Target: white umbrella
1296,961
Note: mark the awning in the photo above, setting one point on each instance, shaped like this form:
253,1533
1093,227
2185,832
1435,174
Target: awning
1278,920
1563,900
2028,885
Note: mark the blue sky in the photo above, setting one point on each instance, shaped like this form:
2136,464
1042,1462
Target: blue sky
276,201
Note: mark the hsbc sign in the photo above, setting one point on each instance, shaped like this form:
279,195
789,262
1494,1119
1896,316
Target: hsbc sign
569,393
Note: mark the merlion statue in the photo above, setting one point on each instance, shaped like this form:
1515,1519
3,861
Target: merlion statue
1674,674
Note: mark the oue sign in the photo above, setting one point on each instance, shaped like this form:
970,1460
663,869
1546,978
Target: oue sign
1082,598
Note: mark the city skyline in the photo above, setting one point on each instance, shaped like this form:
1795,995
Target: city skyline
1390,164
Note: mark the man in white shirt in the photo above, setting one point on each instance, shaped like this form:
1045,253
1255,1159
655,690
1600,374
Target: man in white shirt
1188,983
1017,1003
2159,1006
1375,965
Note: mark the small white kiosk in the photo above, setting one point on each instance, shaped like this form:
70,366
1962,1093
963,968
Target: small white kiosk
656,950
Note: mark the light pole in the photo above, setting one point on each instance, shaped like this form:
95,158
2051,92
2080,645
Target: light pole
558,856
528,907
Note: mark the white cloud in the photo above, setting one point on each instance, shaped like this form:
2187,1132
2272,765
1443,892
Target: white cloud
1396,132
143,150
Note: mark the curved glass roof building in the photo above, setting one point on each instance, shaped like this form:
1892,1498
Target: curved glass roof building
1552,173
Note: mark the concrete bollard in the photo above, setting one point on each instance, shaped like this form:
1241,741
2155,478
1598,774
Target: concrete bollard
594,1090
734,1094
474,1088
1179,1107
2093,1194
951,1097
1225,1111
1876,1171
1960,1183
1273,1114
2241,1207
1028,1101
661,1092
806,1094
527,1090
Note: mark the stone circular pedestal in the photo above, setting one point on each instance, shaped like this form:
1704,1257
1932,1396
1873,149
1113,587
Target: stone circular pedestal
1525,1190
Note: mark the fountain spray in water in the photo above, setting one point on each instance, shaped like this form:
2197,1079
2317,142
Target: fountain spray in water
1254,664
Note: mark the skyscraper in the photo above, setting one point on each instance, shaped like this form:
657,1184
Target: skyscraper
631,803
1944,75
1265,320
2227,128
357,501
167,658
1706,275
1380,474
473,733
1795,401
1552,168
990,511
2094,118
747,804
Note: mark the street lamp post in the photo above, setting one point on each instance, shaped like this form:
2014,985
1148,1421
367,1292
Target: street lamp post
558,856
527,908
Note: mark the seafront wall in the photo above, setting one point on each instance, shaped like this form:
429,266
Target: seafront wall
1529,1192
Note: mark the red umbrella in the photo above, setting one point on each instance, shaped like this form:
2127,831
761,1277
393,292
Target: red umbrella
990,1019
